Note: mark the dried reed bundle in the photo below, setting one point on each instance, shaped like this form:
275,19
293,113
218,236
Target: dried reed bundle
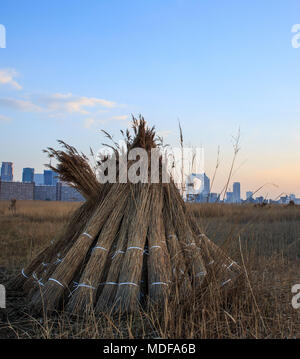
221,267
85,292
110,284
180,275
53,290
159,267
127,296
193,255
127,243
75,226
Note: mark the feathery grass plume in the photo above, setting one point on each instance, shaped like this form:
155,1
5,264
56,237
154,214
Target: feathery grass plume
74,168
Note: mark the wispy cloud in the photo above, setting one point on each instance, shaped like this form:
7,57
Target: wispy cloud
69,103
89,122
120,118
7,77
4,118
21,105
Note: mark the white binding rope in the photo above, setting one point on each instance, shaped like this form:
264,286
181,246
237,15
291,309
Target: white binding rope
23,273
128,283
111,283
159,283
139,248
56,281
117,252
78,285
230,265
99,247
154,247
39,281
86,234
226,281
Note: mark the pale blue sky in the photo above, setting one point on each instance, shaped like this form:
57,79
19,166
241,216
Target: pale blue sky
72,67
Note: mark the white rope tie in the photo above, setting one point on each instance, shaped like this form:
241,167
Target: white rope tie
159,283
78,285
56,281
23,273
230,265
110,283
226,281
58,260
116,253
38,280
99,247
128,283
154,247
86,234
139,248
211,262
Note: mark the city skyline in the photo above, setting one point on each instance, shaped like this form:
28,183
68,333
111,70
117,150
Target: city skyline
215,71
233,193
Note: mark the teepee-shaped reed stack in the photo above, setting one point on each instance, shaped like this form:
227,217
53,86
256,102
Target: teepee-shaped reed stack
126,245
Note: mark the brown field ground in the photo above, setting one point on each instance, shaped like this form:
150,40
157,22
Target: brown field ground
264,241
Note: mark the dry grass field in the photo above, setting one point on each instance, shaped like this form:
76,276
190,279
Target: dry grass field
264,241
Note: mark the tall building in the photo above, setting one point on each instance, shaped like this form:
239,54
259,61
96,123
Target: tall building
229,197
206,184
38,179
197,187
50,178
28,175
236,192
7,172
249,195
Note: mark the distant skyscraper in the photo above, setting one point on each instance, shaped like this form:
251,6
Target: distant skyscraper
38,179
236,192
7,172
249,195
197,187
50,178
28,174
229,197
206,184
